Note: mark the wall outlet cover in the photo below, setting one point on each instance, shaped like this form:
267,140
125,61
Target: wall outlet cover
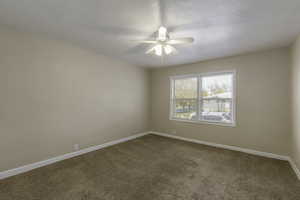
76,147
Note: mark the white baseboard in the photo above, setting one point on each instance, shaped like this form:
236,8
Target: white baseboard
234,148
295,168
25,168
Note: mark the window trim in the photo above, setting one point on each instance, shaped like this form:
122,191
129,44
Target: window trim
198,76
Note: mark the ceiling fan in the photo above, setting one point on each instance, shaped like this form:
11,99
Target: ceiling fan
163,44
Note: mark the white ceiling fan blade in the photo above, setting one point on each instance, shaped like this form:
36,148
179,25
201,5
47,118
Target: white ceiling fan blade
174,50
156,49
146,41
181,41
151,50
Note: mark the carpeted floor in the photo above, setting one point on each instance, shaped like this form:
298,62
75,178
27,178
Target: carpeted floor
157,168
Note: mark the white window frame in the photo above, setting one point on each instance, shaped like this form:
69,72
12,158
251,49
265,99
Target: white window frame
199,99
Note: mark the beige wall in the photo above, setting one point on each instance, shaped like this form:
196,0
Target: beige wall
296,102
54,95
263,118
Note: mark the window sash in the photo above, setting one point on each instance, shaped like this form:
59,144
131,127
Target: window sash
199,100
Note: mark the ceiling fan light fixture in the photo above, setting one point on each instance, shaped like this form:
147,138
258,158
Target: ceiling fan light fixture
158,50
168,49
163,45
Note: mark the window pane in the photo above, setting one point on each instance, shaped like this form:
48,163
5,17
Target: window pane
185,88
217,98
218,110
219,86
185,109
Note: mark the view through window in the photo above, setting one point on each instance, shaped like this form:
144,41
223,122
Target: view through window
207,98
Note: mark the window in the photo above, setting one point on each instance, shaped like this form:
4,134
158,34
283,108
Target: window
206,98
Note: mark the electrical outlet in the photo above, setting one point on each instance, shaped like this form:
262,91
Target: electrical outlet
76,147
173,131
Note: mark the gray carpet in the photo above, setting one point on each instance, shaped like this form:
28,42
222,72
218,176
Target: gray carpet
157,168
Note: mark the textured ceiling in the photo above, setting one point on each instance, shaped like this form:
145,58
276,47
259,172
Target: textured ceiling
220,27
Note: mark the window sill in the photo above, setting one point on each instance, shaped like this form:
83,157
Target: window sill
204,122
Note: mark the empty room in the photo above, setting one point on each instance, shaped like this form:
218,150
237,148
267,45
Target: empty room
150,100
